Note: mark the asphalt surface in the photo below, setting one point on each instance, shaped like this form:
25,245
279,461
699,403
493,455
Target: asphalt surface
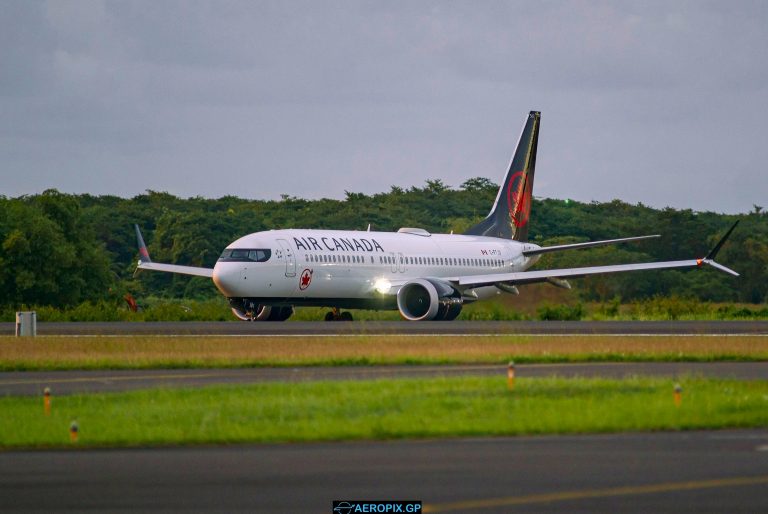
692,472
724,471
396,327
69,382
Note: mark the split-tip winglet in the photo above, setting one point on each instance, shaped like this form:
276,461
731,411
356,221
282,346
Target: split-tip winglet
710,258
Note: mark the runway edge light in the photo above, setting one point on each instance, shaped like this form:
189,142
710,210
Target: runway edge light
47,401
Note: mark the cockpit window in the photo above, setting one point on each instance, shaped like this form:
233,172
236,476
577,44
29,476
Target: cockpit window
246,255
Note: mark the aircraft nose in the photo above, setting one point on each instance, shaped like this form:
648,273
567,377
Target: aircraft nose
225,277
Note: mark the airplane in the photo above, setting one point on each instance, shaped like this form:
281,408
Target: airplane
425,276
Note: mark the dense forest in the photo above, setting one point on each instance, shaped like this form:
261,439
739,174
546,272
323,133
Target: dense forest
61,250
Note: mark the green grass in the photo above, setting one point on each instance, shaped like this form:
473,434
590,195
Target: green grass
148,352
382,409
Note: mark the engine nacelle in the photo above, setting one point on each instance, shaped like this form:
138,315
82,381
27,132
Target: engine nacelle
423,300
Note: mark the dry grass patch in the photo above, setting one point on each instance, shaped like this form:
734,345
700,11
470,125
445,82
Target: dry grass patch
187,352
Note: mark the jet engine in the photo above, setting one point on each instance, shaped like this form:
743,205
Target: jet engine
424,299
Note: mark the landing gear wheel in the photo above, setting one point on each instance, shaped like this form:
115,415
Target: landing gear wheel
281,313
337,315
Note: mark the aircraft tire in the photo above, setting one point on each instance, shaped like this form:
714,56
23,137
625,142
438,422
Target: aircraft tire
280,313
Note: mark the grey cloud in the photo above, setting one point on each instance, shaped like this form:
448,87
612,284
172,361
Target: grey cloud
654,102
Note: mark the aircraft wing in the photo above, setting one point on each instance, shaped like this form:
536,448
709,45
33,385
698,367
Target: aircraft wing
175,268
146,263
528,277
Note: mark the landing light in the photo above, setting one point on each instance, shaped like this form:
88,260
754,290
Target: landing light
382,285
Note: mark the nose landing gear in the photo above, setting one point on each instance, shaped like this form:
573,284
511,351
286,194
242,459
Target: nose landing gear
337,315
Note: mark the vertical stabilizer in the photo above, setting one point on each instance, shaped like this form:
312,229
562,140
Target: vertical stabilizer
508,218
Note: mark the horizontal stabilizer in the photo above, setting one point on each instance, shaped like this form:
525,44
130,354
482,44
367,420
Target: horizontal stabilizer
589,244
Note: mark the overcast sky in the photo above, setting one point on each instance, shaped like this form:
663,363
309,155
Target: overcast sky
664,103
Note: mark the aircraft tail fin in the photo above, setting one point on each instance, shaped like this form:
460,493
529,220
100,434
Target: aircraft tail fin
508,218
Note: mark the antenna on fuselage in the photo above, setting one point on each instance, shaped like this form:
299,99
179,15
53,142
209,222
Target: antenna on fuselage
369,227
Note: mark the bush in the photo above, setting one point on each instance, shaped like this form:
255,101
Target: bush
549,312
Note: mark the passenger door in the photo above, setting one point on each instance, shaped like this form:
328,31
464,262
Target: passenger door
290,260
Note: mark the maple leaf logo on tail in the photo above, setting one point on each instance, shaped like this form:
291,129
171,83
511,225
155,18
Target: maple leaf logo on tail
519,199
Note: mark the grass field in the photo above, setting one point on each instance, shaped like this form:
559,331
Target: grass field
136,352
381,409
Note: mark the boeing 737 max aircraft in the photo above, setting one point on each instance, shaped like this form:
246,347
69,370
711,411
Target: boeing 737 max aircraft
424,276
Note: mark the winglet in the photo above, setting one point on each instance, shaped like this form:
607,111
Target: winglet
713,253
143,253
710,258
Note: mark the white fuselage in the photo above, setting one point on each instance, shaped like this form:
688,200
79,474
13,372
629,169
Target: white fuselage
316,267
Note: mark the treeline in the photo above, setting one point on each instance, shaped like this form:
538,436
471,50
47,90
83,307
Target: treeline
61,250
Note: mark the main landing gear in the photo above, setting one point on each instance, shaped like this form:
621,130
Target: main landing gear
337,315
247,310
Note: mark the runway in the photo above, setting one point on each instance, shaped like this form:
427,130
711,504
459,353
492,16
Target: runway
70,382
694,472
320,328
